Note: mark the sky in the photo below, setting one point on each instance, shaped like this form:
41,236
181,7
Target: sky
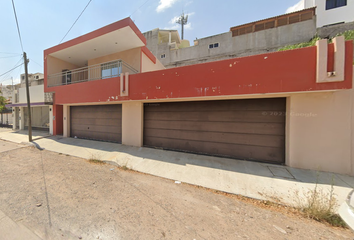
44,23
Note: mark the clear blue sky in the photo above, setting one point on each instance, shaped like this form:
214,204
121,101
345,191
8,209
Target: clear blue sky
43,23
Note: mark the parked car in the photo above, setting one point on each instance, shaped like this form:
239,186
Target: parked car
346,210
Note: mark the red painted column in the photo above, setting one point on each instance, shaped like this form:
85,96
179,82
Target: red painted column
57,120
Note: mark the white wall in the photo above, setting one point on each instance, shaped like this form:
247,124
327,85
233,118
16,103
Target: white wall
36,94
331,16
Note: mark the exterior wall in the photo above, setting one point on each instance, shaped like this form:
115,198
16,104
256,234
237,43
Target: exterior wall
244,45
147,65
276,73
331,16
36,94
39,115
332,31
22,118
132,123
132,57
321,131
51,119
66,121
55,65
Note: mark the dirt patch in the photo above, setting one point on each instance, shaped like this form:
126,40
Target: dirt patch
64,197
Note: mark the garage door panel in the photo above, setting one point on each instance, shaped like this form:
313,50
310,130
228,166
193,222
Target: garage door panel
242,127
93,115
233,138
112,137
91,121
219,116
269,104
251,129
99,122
98,128
242,152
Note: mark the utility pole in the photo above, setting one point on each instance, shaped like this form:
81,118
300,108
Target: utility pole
28,99
183,19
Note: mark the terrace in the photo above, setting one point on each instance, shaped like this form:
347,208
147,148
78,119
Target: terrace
89,73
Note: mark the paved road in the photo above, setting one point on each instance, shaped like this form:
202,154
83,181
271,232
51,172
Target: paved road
63,197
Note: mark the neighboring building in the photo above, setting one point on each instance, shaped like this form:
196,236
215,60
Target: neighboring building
332,12
267,35
283,107
6,116
41,104
262,36
34,79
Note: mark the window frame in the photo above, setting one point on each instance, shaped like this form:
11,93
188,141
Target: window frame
335,3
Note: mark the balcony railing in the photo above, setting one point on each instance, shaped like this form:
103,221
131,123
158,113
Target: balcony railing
92,72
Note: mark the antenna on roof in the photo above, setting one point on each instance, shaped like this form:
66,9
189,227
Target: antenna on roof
183,19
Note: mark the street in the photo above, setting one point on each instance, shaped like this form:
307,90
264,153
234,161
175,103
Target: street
58,196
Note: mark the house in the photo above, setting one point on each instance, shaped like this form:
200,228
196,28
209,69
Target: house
291,108
325,19
5,114
331,12
41,104
262,36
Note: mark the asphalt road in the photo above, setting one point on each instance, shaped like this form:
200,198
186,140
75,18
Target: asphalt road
62,197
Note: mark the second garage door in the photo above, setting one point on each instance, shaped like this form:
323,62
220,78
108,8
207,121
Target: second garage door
101,122
252,129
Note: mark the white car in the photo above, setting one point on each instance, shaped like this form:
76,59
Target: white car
346,210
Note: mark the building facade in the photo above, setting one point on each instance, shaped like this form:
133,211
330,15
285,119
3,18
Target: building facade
331,12
41,104
291,108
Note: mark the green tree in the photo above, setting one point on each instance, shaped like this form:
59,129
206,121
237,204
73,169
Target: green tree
2,102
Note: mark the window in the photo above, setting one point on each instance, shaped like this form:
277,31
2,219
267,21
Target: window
330,4
213,45
163,56
111,69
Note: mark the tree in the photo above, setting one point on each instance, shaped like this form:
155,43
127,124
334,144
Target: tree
2,102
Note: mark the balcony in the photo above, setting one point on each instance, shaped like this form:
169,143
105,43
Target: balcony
93,72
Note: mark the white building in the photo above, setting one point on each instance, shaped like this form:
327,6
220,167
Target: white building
331,12
41,104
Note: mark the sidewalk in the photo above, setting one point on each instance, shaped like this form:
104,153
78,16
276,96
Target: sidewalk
10,230
256,180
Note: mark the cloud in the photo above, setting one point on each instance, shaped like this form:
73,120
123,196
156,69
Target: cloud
164,4
175,26
174,20
298,6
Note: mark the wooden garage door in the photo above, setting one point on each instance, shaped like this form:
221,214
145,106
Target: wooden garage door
250,129
101,122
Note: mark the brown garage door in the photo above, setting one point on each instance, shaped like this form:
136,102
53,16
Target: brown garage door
250,129
101,122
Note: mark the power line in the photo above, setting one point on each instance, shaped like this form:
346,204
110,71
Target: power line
11,69
18,28
139,8
11,56
76,20
36,62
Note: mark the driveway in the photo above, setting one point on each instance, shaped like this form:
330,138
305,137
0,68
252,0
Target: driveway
63,197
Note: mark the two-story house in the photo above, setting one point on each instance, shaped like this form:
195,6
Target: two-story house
292,108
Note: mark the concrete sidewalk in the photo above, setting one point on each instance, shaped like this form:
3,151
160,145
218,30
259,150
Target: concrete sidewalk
11,230
256,180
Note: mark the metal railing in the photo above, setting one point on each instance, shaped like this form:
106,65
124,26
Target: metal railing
92,72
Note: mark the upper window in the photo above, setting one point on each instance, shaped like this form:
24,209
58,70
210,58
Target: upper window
163,56
213,45
330,4
111,69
